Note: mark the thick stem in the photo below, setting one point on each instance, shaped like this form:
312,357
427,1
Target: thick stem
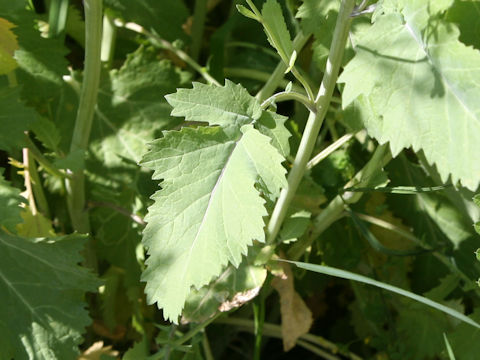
198,26
83,123
315,119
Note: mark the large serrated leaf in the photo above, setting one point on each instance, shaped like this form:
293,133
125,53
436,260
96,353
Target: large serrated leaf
419,86
208,211
41,303
224,106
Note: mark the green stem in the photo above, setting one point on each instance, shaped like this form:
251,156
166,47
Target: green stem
199,15
196,330
165,44
83,123
286,96
327,151
279,73
315,119
260,76
335,208
42,160
206,347
28,182
274,330
57,17
109,35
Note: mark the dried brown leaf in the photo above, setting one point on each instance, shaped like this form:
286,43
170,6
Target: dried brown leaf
296,316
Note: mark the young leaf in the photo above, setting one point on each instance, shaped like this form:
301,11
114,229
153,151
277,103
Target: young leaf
419,84
246,12
42,308
224,106
276,29
208,211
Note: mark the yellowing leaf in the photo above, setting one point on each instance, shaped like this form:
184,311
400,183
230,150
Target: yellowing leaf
296,316
34,225
8,45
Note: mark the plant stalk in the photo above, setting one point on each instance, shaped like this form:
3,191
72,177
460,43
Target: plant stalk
198,26
315,119
88,99
279,73
57,17
109,35
165,44
335,208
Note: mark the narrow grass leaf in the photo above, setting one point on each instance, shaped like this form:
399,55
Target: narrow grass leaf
327,270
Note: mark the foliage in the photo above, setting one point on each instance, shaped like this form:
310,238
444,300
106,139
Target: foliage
157,179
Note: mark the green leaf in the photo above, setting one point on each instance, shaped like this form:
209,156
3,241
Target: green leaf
314,15
41,61
164,17
208,210
224,106
230,290
73,161
246,12
276,29
451,355
46,131
327,270
273,125
319,18
15,119
131,110
295,226
466,14
425,338
418,83
42,308
10,201
465,341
